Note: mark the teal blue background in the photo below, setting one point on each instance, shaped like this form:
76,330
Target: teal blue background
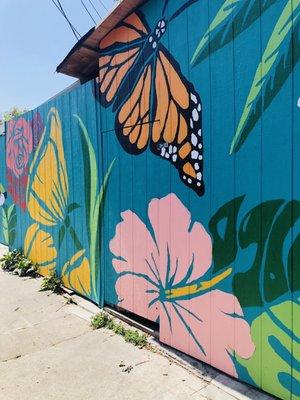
266,167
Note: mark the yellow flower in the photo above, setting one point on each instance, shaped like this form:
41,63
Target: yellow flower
76,274
39,248
48,187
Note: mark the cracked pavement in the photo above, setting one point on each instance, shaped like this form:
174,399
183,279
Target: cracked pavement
49,351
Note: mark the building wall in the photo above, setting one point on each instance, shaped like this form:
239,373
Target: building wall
170,186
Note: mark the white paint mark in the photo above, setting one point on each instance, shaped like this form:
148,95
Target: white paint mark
194,154
194,139
195,115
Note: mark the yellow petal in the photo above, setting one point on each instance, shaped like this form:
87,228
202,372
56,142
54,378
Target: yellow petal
39,248
48,188
76,274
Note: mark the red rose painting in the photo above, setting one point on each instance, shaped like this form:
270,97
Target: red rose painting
19,145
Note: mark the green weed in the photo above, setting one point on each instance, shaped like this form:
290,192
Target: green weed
16,262
51,283
103,320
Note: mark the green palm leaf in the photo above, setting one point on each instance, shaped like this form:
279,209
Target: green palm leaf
94,198
280,56
9,223
231,20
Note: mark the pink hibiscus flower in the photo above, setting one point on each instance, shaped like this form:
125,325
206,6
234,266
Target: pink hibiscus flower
163,275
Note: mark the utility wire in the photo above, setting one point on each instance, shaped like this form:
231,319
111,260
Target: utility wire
62,11
86,9
103,5
92,4
75,31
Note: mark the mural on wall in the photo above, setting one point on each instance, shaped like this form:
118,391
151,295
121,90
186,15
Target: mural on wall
43,190
278,59
155,104
19,146
216,268
175,283
171,273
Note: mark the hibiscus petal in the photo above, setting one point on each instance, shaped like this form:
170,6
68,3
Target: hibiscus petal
135,247
206,328
137,295
179,246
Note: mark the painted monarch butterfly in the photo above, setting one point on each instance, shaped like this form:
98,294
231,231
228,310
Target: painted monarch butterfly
154,103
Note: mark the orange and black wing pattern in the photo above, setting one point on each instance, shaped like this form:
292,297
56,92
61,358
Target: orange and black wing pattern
154,103
119,50
177,132
133,120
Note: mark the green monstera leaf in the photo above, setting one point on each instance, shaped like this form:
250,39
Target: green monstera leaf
275,365
269,236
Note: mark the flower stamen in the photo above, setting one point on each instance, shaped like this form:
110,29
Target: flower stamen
196,288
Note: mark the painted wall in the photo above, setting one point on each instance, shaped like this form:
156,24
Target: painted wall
170,186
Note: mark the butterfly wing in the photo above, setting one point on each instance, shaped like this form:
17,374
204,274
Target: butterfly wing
133,120
152,99
177,136
119,51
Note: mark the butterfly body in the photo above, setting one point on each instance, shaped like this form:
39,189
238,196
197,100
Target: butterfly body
154,104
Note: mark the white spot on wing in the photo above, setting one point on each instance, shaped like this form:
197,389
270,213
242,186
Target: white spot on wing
194,154
195,115
194,139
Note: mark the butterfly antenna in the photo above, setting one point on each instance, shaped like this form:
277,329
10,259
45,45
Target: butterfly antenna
181,9
165,8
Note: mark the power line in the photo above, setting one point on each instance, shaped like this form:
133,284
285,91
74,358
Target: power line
86,9
103,5
60,8
92,4
74,30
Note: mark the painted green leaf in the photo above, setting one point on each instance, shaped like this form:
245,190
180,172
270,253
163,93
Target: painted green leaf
61,235
275,365
231,20
75,238
276,277
5,224
254,232
266,231
94,201
223,230
73,207
293,263
280,56
9,223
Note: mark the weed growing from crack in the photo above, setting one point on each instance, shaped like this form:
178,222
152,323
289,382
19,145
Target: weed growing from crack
51,283
16,262
103,320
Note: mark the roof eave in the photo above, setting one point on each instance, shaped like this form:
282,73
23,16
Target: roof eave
82,60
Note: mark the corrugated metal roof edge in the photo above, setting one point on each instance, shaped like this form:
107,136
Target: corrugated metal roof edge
82,61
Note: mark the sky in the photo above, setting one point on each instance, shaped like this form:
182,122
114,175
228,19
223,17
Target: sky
34,39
